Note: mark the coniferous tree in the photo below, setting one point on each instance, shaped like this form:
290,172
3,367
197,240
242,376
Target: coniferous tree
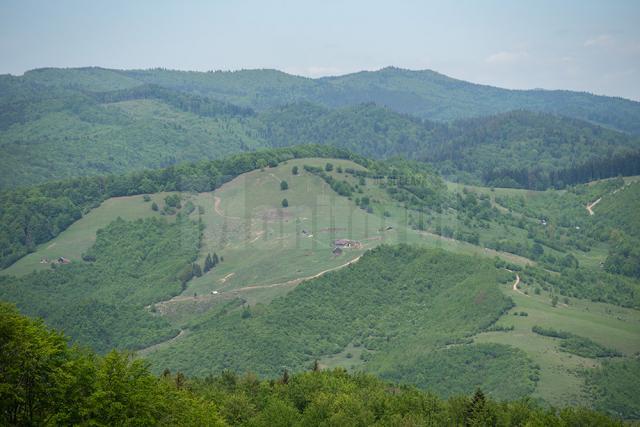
208,263
197,271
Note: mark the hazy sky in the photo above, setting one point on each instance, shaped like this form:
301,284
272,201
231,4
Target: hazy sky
581,45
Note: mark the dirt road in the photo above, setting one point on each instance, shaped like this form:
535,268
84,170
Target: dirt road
206,297
590,206
515,286
216,207
151,348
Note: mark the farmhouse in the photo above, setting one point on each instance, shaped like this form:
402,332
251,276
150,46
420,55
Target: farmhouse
346,243
337,251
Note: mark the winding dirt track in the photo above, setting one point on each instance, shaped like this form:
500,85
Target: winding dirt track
183,298
216,207
515,286
151,348
590,206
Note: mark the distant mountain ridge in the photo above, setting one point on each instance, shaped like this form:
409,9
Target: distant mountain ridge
425,93
61,123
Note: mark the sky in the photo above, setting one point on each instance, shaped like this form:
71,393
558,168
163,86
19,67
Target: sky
584,45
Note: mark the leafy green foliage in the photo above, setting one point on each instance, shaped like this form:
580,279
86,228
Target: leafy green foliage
615,387
618,221
101,303
45,382
585,347
391,305
343,188
591,284
574,344
550,332
531,150
504,372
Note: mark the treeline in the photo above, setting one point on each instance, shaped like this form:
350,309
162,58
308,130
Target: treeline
101,302
201,106
593,284
31,216
622,164
575,344
524,149
46,382
343,188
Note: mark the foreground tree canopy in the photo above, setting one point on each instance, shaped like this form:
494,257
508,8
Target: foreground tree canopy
43,381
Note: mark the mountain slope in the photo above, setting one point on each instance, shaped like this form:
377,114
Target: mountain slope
424,93
77,134
529,150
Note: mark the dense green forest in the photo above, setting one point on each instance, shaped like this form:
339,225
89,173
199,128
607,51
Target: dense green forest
531,150
46,382
390,307
425,94
504,372
65,123
100,302
614,387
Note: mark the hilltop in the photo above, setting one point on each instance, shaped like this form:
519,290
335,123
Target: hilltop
424,93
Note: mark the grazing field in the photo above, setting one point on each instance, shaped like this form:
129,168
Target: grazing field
561,374
267,249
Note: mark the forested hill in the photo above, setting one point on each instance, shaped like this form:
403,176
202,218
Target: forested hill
153,127
46,382
57,124
425,93
530,150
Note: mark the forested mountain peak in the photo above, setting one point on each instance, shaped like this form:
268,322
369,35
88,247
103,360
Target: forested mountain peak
423,93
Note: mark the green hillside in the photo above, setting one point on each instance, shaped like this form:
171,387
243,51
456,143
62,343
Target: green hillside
422,300
426,94
59,124
280,296
100,302
530,150
69,386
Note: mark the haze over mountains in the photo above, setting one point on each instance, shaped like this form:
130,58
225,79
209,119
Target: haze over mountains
90,121
432,232
425,94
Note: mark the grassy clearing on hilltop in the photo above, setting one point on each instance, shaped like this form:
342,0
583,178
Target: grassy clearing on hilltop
81,235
